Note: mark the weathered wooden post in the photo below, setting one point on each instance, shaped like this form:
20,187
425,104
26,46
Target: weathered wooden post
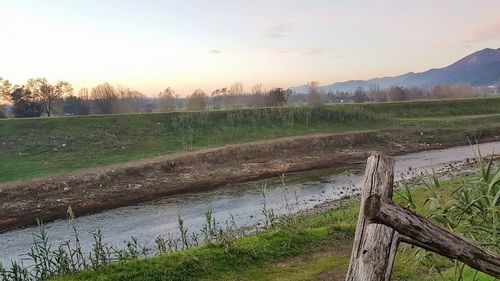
375,245
425,234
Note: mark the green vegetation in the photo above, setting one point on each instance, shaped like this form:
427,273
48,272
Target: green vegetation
297,247
311,246
434,108
37,147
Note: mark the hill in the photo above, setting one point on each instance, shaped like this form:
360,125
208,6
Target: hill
481,68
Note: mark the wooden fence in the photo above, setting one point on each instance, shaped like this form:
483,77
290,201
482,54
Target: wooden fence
382,225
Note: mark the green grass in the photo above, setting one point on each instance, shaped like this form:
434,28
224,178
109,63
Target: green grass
31,148
434,108
309,247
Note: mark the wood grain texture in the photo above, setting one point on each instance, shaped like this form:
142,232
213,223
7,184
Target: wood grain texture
422,233
375,245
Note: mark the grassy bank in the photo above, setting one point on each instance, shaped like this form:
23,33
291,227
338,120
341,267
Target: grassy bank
433,108
310,247
46,146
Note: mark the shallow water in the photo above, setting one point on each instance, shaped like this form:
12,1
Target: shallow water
146,221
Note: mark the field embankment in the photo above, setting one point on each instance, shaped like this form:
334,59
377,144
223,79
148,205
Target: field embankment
42,147
341,135
48,199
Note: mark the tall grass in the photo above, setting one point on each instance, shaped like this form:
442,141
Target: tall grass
46,261
43,146
472,209
35,147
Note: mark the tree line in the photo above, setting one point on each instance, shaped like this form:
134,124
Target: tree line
39,97
397,93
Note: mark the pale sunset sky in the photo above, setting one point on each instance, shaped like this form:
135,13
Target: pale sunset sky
189,44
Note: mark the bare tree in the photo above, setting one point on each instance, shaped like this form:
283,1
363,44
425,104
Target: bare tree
104,98
166,100
376,94
314,93
197,100
360,95
463,91
129,101
48,94
233,96
84,94
397,94
257,89
257,99
236,89
5,90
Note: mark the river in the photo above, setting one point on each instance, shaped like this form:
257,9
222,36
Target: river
146,221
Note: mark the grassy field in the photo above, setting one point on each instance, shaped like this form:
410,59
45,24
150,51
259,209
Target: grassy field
312,247
433,108
31,148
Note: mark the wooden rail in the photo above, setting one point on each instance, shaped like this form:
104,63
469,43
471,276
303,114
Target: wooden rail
431,236
382,225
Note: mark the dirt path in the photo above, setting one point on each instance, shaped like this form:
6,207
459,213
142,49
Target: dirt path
92,191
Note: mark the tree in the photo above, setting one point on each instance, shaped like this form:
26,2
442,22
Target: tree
441,91
359,95
24,103
166,100
314,93
277,97
236,89
376,94
63,88
217,99
5,90
257,89
130,101
257,99
84,94
397,94
46,94
232,96
197,100
104,98
75,106
463,91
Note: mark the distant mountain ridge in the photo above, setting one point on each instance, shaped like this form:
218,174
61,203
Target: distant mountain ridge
481,68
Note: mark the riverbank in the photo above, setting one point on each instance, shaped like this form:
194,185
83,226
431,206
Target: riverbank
312,246
118,186
44,147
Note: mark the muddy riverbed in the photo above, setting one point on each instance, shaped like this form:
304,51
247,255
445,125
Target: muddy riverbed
243,202
127,184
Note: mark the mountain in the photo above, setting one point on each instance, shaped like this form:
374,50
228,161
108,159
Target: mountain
481,68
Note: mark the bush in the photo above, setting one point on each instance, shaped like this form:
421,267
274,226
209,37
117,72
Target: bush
2,114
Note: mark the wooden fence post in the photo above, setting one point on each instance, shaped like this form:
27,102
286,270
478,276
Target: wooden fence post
375,245
429,236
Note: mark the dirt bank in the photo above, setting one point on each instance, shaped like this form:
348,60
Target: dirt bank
48,199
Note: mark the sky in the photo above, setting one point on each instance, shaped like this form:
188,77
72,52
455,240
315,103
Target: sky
149,45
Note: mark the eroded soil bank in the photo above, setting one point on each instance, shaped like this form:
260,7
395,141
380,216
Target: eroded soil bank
92,191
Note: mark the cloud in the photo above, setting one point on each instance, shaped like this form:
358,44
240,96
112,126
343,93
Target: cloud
485,32
215,51
278,31
314,51
304,51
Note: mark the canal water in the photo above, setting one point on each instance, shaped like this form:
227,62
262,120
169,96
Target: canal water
241,203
